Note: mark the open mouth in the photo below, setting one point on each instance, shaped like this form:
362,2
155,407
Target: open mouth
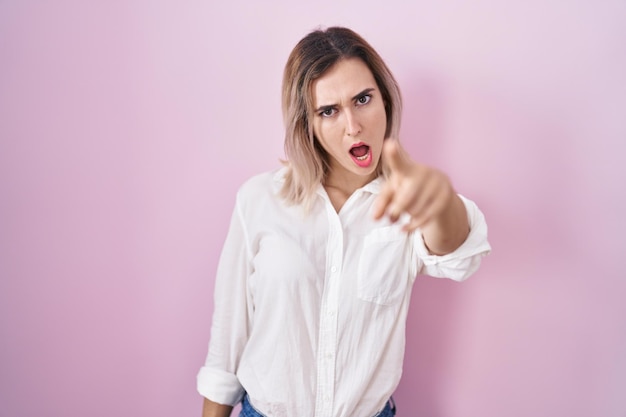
361,154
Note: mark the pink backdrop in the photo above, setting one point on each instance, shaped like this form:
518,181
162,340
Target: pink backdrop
126,127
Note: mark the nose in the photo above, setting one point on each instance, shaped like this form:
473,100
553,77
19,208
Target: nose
353,127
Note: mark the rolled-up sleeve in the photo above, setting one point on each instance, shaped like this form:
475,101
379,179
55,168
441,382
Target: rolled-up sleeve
217,379
465,260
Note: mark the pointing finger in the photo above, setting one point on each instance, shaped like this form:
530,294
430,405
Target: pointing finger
393,155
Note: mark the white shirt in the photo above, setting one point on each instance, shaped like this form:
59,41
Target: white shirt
310,310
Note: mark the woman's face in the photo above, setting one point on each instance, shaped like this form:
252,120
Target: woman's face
349,121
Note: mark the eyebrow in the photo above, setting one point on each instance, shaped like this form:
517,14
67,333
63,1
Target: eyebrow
356,97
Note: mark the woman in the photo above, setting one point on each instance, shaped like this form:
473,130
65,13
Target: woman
315,277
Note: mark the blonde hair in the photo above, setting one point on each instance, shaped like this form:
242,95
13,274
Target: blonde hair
315,54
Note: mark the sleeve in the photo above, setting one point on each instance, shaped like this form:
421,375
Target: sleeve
465,260
217,379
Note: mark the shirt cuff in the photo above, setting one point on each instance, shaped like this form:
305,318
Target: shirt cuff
219,386
465,260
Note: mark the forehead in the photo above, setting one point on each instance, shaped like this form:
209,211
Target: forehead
342,82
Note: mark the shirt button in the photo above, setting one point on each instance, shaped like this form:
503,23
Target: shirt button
331,313
333,269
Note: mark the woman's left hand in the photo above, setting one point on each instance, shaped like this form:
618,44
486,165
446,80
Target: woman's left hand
422,192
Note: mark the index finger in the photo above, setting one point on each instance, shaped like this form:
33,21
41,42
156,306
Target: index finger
394,156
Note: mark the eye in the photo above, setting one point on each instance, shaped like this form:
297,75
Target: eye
364,99
328,112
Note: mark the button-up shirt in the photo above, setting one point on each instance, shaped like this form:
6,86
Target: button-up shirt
310,308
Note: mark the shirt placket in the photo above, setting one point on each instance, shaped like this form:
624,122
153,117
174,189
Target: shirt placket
326,357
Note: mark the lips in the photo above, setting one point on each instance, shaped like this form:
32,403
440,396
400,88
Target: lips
361,154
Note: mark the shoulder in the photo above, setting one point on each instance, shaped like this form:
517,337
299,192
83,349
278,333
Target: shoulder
261,187
262,183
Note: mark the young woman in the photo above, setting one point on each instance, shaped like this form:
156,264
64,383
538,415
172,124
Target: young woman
315,276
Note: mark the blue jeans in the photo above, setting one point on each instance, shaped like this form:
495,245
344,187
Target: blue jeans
247,410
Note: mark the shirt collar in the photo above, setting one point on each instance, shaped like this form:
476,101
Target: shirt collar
374,186
279,175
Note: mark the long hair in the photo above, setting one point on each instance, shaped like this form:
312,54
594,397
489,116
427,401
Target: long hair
316,53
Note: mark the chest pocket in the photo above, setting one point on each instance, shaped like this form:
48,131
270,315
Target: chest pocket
383,271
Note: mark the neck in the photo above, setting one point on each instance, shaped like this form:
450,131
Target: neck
347,184
340,187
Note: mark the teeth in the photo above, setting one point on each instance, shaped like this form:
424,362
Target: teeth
364,157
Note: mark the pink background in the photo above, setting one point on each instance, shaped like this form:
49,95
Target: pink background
126,128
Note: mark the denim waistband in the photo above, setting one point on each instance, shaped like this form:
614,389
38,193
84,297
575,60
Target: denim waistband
248,410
